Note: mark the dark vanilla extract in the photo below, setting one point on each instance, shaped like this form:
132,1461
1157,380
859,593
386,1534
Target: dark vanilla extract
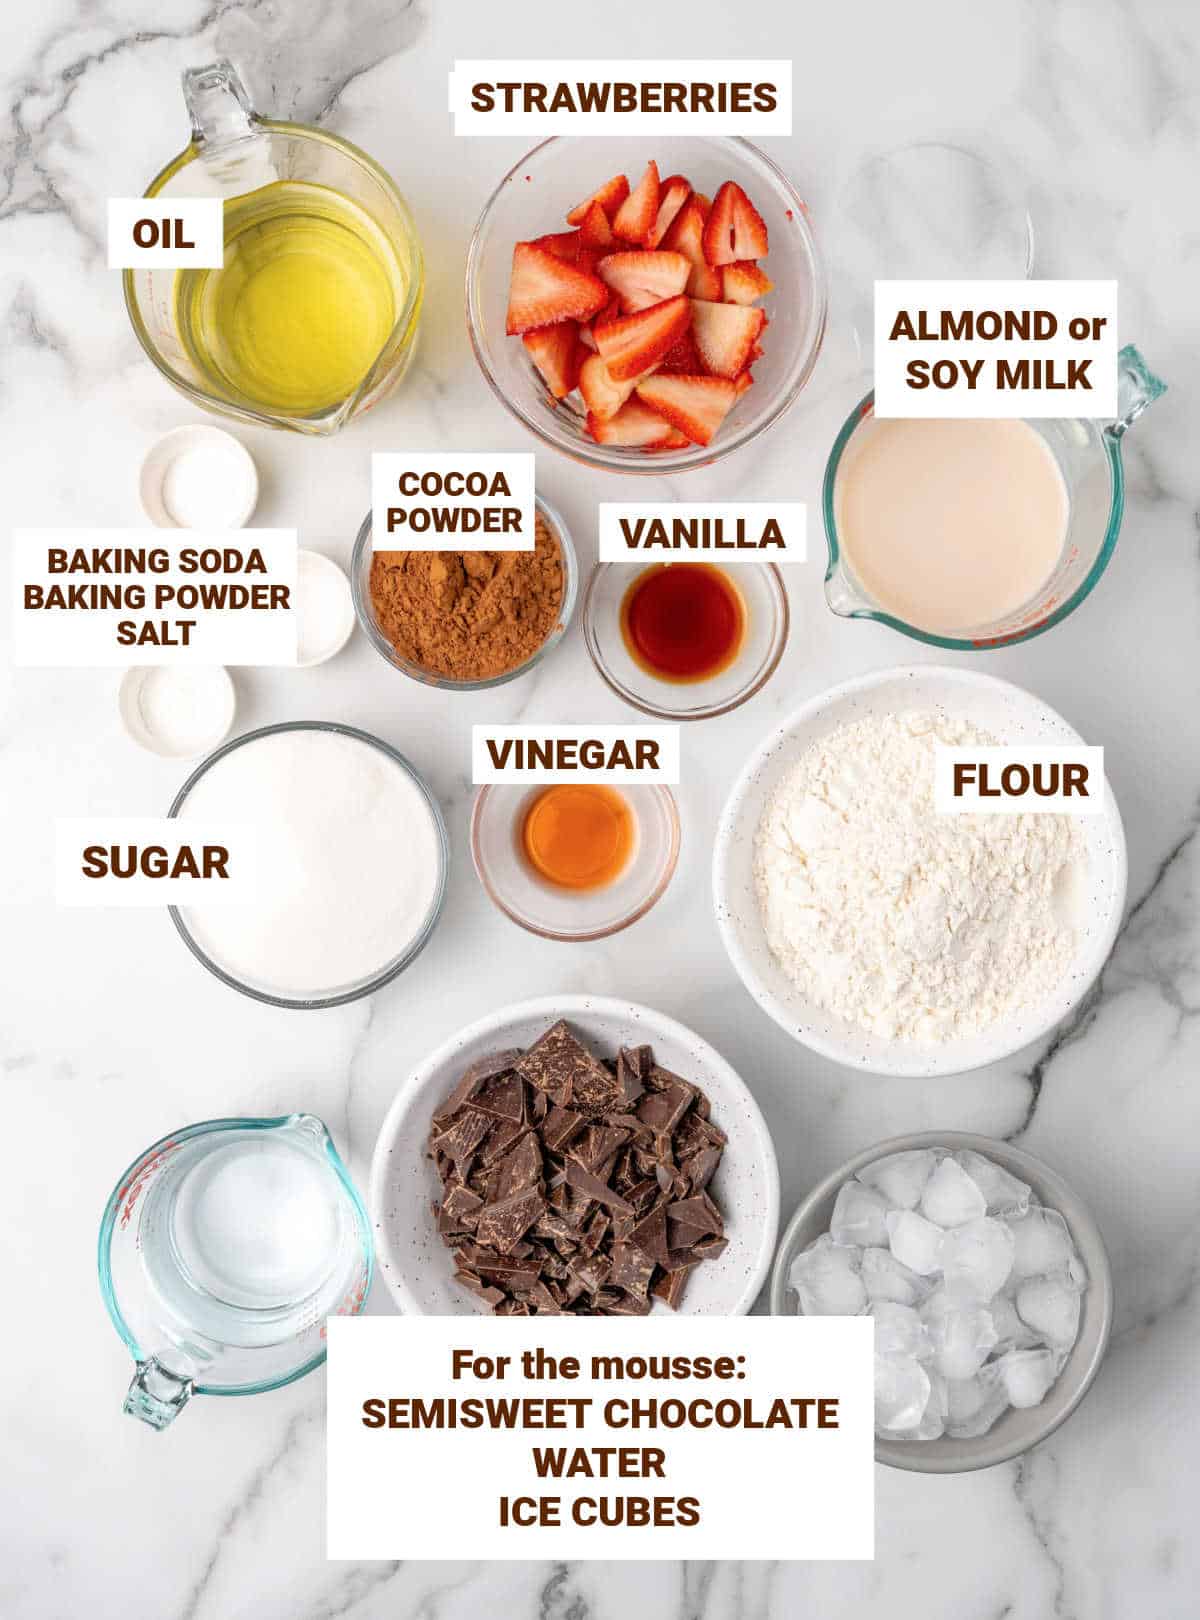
683,622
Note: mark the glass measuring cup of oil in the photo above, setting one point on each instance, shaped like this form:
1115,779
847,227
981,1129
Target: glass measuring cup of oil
313,317
223,1249
1057,483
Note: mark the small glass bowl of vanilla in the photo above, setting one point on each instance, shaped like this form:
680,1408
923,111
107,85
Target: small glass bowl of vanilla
574,861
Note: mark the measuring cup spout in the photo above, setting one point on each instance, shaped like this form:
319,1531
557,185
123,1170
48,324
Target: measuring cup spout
218,105
1137,387
156,1395
842,594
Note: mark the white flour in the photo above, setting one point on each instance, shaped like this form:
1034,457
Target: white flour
913,925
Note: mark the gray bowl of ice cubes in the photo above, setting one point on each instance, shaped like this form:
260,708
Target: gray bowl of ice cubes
989,1283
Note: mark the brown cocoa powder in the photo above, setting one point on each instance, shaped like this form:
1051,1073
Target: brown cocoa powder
469,615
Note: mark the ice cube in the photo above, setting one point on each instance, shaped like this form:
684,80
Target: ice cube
1026,1375
901,1177
1076,1272
1050,1306
977,1256
974,1404
961,1332
933,1420
899,1331
964,1398
1011,1332
1043,1242
858,1216
826,1277
915,1242
885,1278
1002,1190
950,1197
901,1393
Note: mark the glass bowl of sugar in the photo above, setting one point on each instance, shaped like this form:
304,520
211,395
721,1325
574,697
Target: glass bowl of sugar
349,854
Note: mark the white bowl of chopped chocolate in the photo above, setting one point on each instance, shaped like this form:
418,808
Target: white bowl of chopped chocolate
574,1156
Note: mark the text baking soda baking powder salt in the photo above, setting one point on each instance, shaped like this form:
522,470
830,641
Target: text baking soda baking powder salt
351,862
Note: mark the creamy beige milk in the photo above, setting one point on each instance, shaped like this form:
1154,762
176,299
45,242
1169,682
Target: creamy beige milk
950,525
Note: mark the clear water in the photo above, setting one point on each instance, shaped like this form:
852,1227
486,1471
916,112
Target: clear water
240,1235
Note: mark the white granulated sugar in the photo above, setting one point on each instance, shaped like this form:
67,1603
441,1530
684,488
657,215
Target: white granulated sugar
914,925
350,853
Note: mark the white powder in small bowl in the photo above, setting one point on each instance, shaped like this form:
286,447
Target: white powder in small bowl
913,925
355,862
324,609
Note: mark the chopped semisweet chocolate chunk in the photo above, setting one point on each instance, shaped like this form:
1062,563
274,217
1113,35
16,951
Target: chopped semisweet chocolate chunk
573,1185
502,1098
566,1071
699,1212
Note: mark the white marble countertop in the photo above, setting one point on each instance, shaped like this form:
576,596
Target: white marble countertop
111,1035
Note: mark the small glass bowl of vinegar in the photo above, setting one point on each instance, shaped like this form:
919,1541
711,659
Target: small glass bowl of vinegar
568,870
686,640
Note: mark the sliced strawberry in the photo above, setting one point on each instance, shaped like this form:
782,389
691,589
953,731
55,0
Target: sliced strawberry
704,203
705,282
695,405
743,380
674,193
563,245
545,289
642,279
557,353
601,394
725,334
594,229
677,441
635,218
743,282
610,197
633,424
686,236
683,358
611,310
734,229
756,353
634,344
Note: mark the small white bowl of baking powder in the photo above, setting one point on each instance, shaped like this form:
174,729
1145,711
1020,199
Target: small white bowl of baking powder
936,920
324,609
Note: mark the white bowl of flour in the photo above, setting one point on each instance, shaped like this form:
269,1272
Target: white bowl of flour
884,935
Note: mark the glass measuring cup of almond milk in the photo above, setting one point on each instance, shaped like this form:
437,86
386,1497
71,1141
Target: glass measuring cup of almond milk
313,317
974,534
223,1249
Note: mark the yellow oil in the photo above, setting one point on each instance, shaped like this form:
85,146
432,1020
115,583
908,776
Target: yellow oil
303,306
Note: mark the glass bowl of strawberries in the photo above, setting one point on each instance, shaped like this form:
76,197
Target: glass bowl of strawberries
645,304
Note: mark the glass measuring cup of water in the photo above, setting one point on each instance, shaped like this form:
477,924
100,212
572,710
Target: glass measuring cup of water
223,1249
313,318
1088,455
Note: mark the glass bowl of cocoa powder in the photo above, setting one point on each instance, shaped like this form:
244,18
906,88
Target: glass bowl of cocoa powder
465,620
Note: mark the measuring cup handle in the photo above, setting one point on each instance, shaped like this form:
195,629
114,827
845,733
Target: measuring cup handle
1137,387
156,1395
218,105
